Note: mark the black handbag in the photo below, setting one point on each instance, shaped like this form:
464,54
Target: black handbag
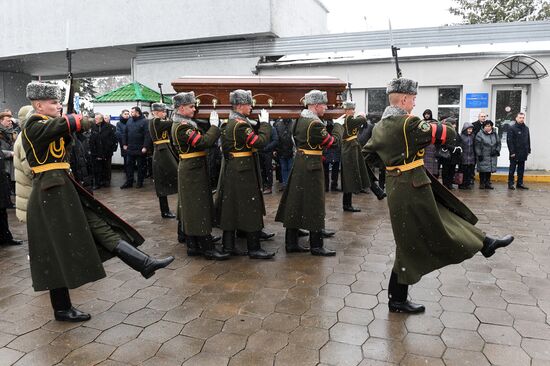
442,153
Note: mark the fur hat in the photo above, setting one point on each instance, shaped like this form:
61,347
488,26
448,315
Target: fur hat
240,96
159,107
403,86
43,91
183,98
348,104
488,122
315,97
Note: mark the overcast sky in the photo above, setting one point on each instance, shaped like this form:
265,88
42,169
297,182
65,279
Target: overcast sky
349,15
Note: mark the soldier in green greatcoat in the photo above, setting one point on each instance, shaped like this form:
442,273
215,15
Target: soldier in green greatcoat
165,163
195,205
240,200
70,232
432,228
355,176
303,202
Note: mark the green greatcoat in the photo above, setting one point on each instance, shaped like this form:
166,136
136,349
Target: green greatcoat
432,228
195,205
70,232
240,203
355,176
165,162
303,202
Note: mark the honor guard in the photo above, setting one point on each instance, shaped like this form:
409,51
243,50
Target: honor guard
70,232
303,202
355,176
432,228
165,164
195,205
240,201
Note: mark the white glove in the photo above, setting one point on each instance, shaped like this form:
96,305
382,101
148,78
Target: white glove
214,119
340,120
264,116
457,149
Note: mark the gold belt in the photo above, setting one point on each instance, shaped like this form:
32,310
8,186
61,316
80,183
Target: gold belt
351,138
241,154
195,154
50,166
158,142
405,167
311,152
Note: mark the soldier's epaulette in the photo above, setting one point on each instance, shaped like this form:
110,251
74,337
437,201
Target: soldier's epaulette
239,120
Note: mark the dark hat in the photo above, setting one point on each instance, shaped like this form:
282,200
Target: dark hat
403,86
315,97
184,98
240,96
158,107
348,104
43,91
488,122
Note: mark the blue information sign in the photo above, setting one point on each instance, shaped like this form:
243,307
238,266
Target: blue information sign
477,100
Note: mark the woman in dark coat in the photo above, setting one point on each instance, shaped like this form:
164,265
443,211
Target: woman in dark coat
468,159
487,146
448,165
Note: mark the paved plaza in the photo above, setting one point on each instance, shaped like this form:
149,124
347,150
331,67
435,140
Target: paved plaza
296,309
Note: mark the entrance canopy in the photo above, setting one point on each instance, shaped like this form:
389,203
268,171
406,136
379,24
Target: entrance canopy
517,67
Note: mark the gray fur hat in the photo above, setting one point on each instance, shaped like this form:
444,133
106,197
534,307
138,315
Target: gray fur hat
183,98
403,86
240,96
43,91
348,104
159,107
315,97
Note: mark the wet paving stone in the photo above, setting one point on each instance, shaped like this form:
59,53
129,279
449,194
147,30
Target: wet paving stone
296,309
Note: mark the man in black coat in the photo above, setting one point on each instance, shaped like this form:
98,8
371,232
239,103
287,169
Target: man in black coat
5,234
120,130
135,140
477,125
519,147
102,145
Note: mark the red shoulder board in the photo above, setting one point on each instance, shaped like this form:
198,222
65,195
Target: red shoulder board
240,120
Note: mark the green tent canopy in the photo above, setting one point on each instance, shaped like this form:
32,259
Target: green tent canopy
132,92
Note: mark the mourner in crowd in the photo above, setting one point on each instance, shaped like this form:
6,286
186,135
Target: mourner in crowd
432,228
519,148
468,158
103,143
487,147
135,142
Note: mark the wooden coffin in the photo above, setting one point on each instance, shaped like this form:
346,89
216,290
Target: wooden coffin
281,96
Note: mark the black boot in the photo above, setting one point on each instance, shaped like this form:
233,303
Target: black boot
491,244
265,235
378,192
193,246
327,233
255,250
316,245
346,199
228,244
181,232
213,238
165,209
209,251
128,184
138,260
302,232
63,309
397,295
291,242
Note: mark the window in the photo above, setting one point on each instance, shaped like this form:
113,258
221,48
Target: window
448,104
377,101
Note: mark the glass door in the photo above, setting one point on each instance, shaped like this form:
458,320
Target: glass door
507,102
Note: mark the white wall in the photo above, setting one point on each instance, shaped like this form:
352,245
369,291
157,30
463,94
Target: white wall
458,71
13,91
102,23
